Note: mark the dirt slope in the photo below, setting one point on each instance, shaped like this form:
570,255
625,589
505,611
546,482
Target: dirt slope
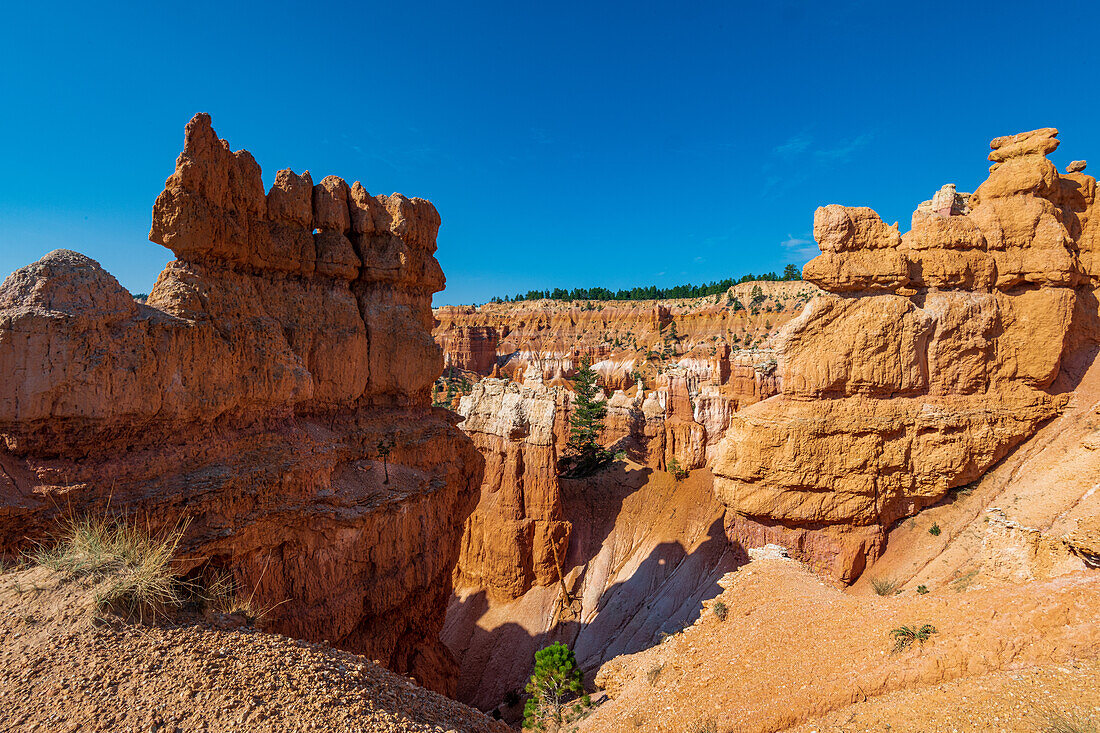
62,671
793,649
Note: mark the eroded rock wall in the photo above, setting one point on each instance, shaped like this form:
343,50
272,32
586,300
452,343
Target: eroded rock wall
930,357
248,397
622,338
517,537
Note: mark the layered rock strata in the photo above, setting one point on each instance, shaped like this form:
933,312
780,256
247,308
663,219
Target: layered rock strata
622,338
249,397
517,537
930,356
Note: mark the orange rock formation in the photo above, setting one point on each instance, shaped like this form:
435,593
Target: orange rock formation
249,396
621,337
930,357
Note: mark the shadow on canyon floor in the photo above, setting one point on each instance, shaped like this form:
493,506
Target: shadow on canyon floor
644,555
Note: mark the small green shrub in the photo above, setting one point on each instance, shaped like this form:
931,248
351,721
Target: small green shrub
720,610
884,586
678,472
904,636
554,680
934,530
922,589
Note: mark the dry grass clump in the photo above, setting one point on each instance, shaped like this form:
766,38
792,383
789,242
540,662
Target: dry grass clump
135,563
884,586
1062,722
221,593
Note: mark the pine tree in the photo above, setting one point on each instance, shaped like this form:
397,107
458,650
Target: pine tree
384,448
586,421
557,694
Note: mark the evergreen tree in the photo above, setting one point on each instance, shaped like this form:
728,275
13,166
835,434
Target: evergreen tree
790,272
586,421
557,694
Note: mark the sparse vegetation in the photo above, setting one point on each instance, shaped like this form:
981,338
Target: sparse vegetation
654,673
884,586
557,693
135,562
221,593
1059,721
934,530
720,610
678,472
904,636
964,490
961,582
922,589
585,452
710,725
790,272
384,447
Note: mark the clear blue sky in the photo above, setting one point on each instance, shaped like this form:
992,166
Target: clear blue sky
564,144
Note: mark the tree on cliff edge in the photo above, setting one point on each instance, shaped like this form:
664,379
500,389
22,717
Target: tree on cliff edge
557,694
584,426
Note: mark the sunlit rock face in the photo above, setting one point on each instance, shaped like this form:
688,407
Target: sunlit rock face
248,397
931,355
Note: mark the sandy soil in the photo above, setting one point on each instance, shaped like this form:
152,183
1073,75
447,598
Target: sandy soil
61,669
793,649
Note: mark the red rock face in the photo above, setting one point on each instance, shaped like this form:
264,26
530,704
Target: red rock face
517,536
471,348
620,337
932,356
248,398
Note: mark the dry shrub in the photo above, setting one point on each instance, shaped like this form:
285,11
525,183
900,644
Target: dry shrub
884,586
133,563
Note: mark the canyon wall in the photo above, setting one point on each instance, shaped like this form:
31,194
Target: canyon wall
622,338
248,397
517,537
928,359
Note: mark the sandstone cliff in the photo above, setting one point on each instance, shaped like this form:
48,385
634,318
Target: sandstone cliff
516,537
623,338
930,357
249,396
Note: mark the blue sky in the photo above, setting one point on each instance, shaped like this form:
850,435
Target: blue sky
564,144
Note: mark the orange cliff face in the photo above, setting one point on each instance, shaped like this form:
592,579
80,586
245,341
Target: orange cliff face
622,338
248,397
928,359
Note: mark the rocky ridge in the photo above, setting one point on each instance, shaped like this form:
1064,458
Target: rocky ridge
248,397
930,356
65,669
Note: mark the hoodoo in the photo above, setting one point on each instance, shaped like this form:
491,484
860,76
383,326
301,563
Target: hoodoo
928,359
248,397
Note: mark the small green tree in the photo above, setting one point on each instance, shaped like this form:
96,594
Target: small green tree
790,272
587,421
384,448
557,693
